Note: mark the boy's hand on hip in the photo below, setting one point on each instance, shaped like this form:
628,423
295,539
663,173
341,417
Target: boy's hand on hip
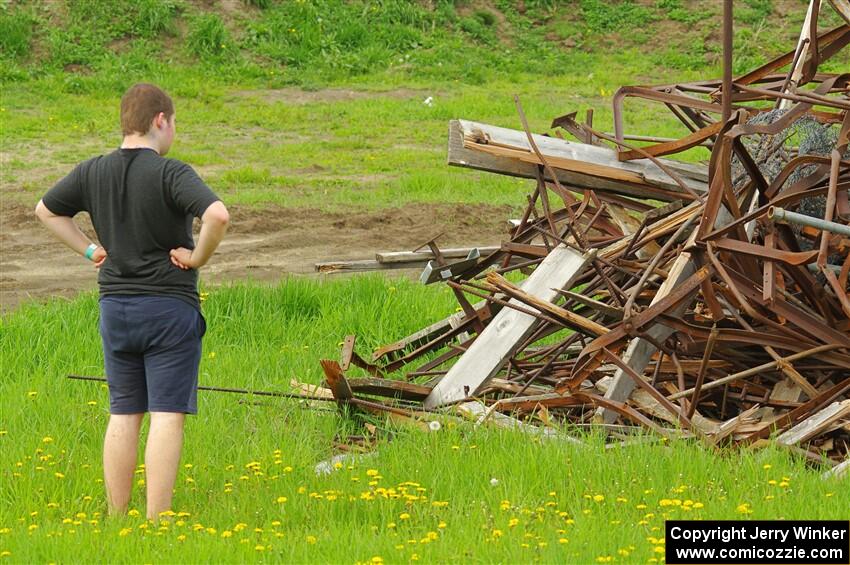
182,258
98,257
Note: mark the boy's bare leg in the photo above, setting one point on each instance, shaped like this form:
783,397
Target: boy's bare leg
120,450
162,457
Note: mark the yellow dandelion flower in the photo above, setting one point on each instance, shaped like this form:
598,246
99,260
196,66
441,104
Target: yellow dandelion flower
497,533
404,516
311,539
513,522
125,532
259,547
226,534
281,499
563,540
598,498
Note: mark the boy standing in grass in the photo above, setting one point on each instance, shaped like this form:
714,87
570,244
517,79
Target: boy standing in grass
142,206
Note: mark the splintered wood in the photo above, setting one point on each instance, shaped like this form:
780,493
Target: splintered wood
644,291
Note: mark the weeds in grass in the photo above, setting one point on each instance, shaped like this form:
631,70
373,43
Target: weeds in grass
155,17
247,490
207,36
15,32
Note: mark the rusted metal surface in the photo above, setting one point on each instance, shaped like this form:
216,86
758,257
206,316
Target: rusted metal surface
703,313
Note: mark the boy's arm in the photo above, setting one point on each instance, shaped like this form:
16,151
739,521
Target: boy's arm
67,231
214,223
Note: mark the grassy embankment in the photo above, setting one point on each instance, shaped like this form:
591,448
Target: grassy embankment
247,489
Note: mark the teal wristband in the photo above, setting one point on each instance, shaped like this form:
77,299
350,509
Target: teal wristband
90,251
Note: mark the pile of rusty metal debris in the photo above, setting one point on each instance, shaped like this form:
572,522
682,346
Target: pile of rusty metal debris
706,301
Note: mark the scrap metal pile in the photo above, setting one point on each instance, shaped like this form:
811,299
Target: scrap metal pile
709,301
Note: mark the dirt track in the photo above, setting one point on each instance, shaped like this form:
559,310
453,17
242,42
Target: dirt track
263,244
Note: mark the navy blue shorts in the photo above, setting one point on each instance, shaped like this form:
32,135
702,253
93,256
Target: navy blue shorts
152,350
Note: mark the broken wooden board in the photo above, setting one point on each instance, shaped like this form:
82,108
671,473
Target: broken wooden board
645,402
635,178
839,471
629,225
480,414
361,265
504,334
640,351
815,424
426,255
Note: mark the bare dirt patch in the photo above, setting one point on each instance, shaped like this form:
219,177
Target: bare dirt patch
264,244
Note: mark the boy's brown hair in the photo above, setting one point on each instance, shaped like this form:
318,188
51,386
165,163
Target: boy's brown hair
140,105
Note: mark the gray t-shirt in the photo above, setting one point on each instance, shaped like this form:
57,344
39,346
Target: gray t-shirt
141,205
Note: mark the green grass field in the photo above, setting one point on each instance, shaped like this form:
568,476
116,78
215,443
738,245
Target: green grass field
247,489
331,115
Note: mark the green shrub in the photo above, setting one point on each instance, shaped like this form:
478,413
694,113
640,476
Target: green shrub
485,17
155,17
15,33
475,28
207,36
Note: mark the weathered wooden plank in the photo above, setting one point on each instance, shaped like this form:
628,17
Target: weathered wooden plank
630,225
815,424
640,351
645,402
838,471
360,265
426,334
503,335
425,256
647,174
480,414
